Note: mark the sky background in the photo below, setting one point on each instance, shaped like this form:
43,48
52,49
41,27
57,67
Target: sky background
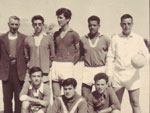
109,12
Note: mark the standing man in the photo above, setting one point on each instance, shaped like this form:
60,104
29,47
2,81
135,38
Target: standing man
66,42
35,96
12,64
123,48
94,48
39,48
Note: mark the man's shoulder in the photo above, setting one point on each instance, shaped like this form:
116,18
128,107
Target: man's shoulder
84,38
3,35
110,90
22,35
92,95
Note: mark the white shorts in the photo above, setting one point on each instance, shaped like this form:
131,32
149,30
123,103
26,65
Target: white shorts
128,78
90,72
62,70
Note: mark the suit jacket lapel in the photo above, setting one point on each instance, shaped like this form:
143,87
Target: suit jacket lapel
6,43
19,43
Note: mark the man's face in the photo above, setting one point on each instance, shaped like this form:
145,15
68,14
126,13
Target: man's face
36,78
126,25
62,21
13,25
38,26
101,85
69,91
93,27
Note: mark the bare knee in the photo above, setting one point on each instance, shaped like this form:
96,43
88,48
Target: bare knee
25,105
40,111
116,111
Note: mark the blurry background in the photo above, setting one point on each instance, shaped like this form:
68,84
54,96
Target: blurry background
109,12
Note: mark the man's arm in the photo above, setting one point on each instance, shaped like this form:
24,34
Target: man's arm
52,49
26,51
90,105
110,59
144,50
55,107
77,47
114,102
82,107
35,100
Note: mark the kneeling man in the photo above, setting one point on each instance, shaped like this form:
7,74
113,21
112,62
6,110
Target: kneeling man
104,99
70,102
35,95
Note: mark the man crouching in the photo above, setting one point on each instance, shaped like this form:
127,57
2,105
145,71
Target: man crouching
70,102
35,95
104,99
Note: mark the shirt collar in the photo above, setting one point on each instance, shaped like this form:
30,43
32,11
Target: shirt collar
130,35
100,34
40,88
104,94
68,30
42,34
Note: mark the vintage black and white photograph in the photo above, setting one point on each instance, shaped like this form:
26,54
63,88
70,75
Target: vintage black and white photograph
74,56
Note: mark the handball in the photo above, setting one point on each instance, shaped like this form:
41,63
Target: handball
138,61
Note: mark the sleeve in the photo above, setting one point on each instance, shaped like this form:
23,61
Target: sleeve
82,51
90,104
110,57
52,48
107,42
82,108
76,45
143,49
55,107
114,99
24,90
26,51
46,93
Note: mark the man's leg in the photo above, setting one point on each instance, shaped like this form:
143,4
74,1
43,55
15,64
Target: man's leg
17,90
134,100
56,88
7,96
25,107
119,93
86,90
17,86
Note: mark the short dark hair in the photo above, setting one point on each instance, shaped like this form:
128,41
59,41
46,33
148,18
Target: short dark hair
126,16
67,13
35,69
14,17
100,76
69,81
94,18
37,17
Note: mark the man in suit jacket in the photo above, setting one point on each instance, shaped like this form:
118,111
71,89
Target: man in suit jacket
12,64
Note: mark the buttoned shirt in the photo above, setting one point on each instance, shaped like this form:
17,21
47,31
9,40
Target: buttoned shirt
97,101
122,49
39,51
